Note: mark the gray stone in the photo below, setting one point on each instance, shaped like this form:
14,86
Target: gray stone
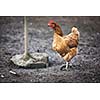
34,60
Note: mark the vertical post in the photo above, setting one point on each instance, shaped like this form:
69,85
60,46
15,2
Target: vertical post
25,36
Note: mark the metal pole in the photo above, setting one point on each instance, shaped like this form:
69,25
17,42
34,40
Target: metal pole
25,36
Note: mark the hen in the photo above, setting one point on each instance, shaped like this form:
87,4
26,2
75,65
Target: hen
66,46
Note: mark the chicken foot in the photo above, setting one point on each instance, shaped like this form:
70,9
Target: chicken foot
65,66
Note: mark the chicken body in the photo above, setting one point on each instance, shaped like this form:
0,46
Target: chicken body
66,46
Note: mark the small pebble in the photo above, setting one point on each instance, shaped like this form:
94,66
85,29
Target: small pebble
97,33
31,80
12,72
31,23
2,76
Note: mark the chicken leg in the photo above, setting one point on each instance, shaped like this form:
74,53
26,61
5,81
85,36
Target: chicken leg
68,57
67,63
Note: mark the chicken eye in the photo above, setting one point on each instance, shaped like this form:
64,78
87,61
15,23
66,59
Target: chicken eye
53,25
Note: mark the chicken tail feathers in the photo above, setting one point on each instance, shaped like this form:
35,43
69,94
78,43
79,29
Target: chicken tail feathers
74,30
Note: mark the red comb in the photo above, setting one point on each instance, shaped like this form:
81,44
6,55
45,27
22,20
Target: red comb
51,21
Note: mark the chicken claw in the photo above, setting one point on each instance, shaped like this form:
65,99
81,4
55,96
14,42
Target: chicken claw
65,67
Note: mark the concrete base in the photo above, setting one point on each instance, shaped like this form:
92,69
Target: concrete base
33,60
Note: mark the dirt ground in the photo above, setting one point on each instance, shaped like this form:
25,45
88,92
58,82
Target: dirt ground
85,66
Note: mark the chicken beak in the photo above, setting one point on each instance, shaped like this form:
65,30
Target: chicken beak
48,25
